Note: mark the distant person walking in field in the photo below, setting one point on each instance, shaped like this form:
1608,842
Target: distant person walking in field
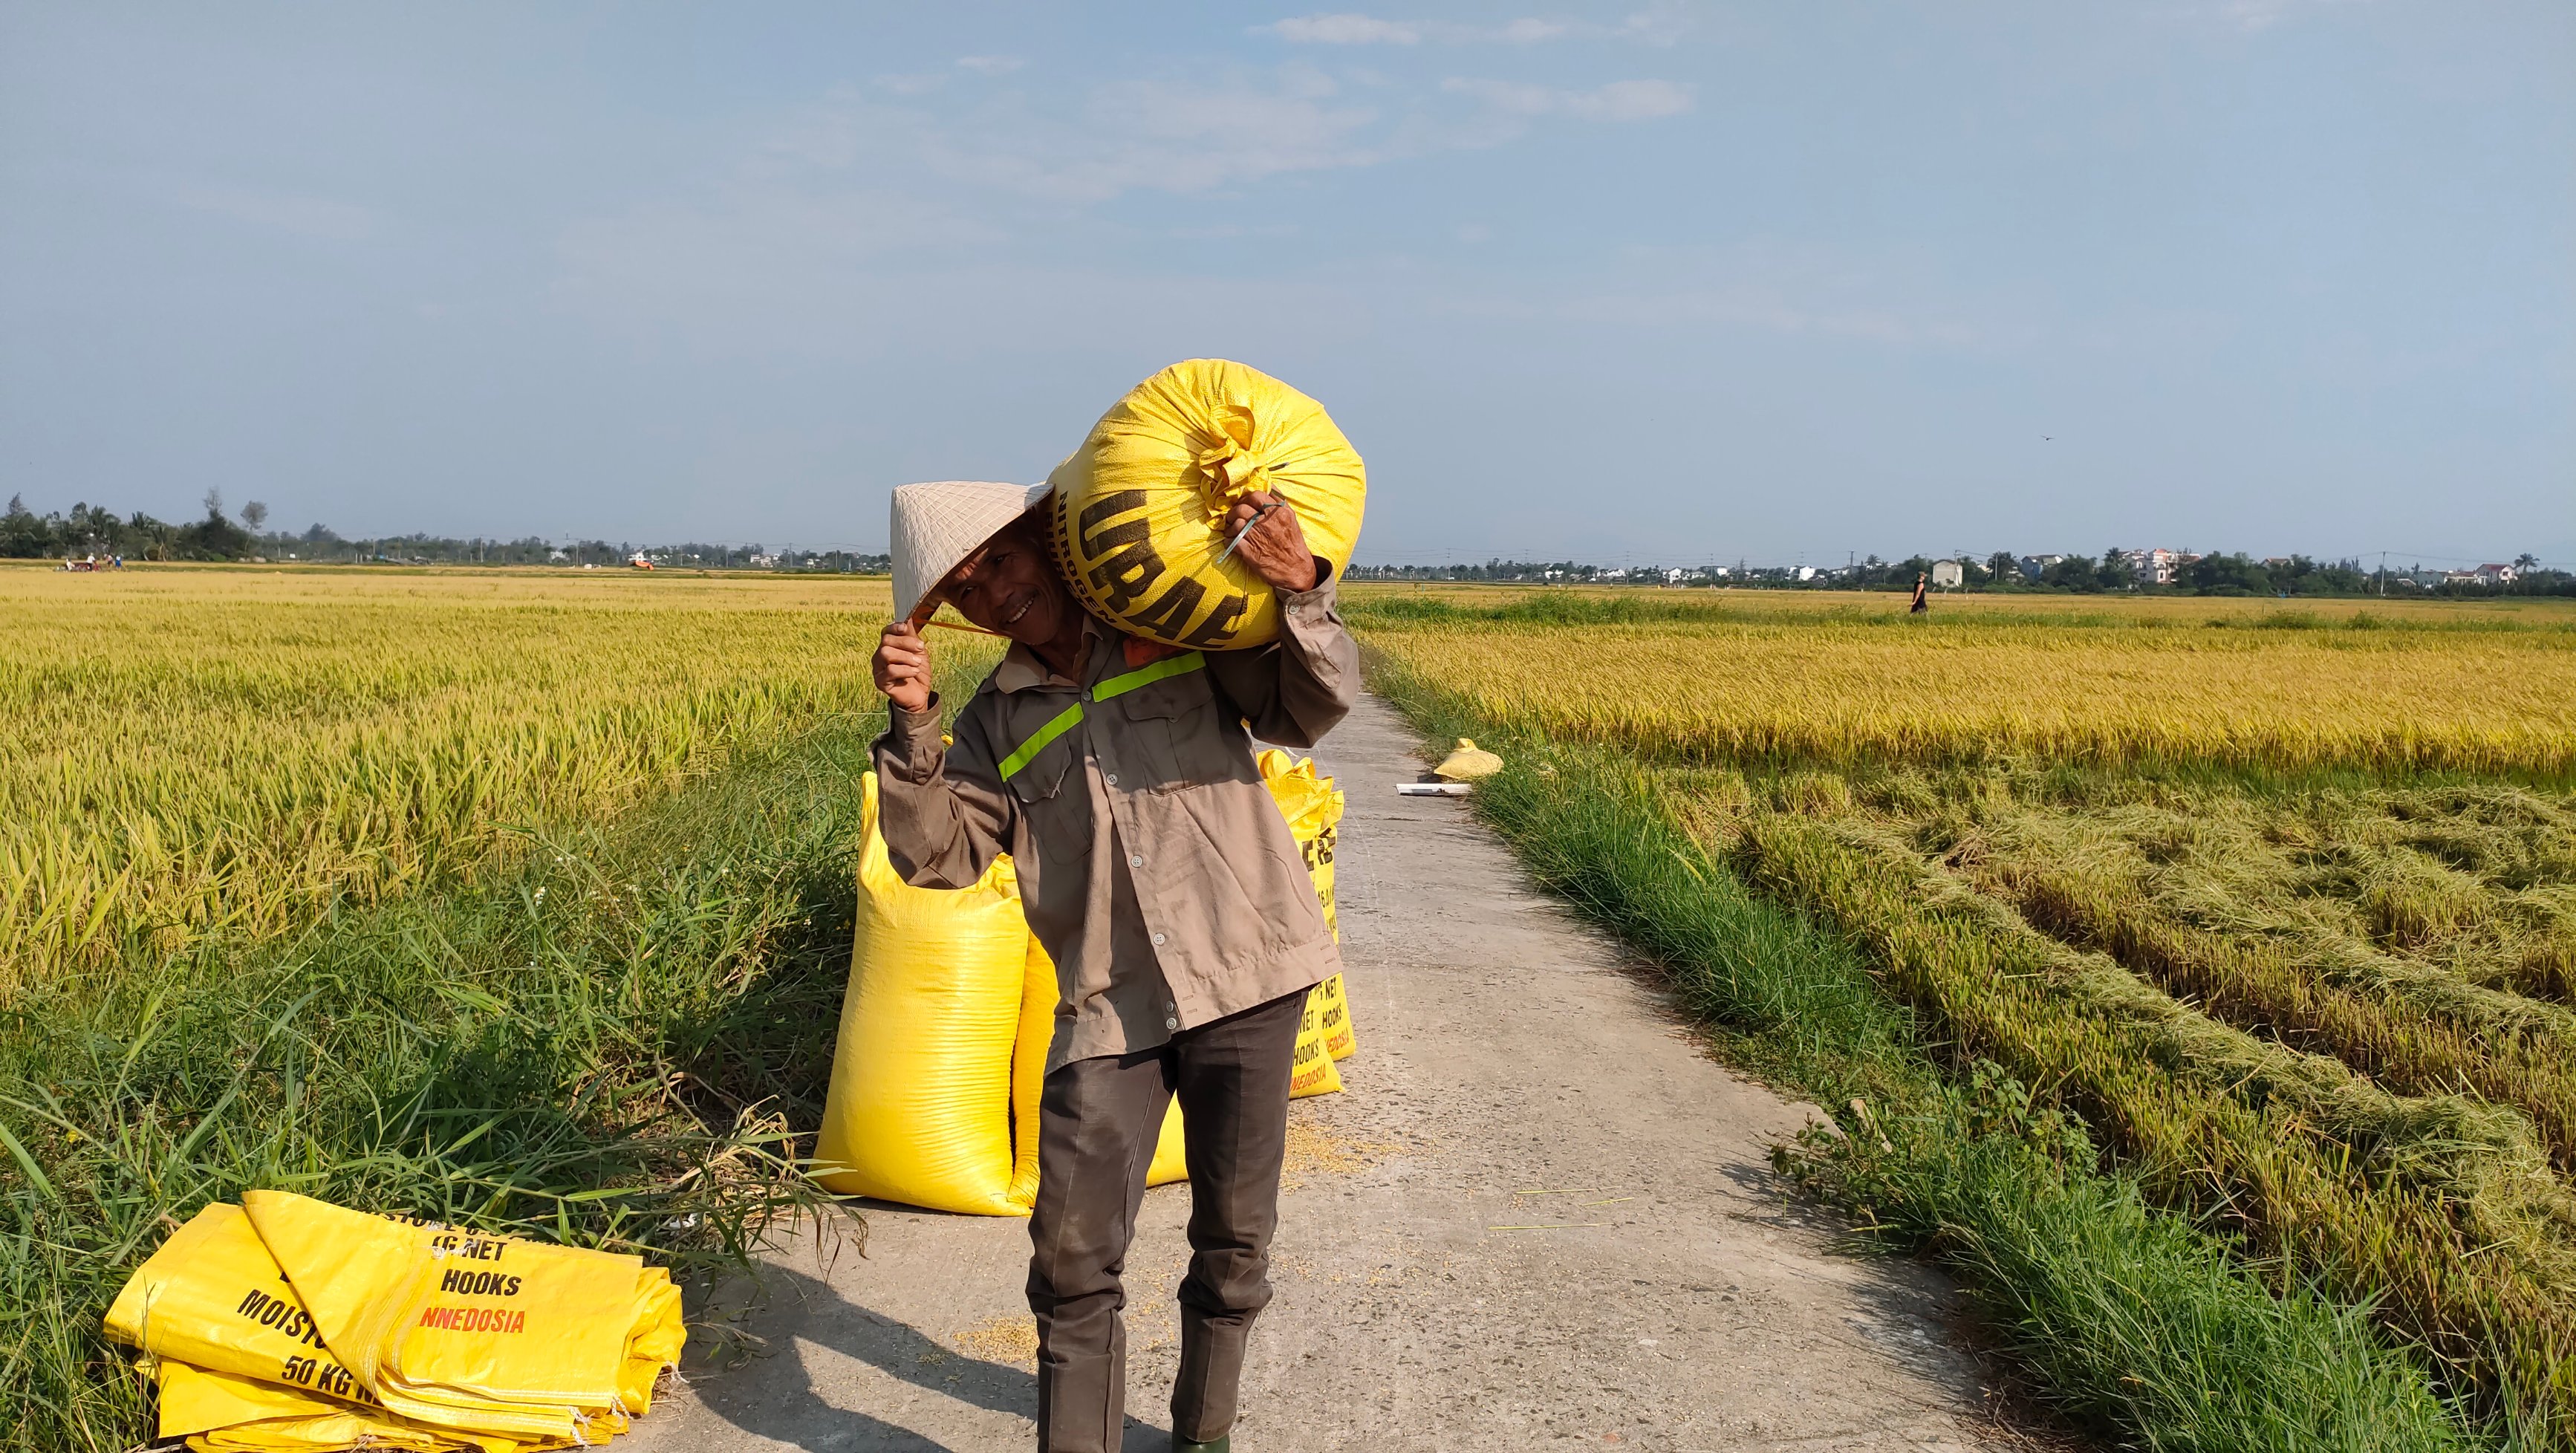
1156,871
1921,602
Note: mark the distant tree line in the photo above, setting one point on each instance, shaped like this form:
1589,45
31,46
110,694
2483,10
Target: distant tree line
2114,570
94,531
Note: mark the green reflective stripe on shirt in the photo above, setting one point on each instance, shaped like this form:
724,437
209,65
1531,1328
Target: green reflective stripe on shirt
1148,675
1066,719
1064,722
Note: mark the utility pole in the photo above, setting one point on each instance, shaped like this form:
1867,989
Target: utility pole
2383,575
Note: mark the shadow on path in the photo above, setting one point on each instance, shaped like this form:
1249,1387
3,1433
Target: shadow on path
771,1394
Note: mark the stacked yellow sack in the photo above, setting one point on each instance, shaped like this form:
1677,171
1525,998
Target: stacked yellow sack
287,1323
1139,510
1313,807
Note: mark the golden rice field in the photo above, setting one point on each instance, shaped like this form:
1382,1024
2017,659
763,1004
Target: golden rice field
2166,680
2280,900
205,749
2283,905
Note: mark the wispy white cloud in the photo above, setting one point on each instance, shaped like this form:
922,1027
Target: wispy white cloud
1659,26
756,257
884,179
1617,101
2254,15
991,65
1130,136
1344,30
320,218
1789,291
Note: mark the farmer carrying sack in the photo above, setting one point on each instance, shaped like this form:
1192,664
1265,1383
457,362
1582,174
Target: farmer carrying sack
1139,511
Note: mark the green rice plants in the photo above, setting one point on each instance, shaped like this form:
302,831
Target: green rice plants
2138,1322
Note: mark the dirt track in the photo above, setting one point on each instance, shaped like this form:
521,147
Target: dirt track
1510,1075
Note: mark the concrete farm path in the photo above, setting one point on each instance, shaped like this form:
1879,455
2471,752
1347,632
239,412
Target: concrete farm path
1674,1299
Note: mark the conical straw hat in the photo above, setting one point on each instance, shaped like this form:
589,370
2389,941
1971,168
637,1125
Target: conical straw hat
935,526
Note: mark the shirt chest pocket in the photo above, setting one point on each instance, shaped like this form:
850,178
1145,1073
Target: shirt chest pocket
1053,803
1179,735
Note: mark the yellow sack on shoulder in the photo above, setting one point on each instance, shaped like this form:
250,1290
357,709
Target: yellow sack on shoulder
1139,510
919,1109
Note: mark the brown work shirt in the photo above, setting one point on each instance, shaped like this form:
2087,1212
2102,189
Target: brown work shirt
1152,862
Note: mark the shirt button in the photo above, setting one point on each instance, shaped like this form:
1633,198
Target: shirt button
1158,938
1113,779
1135,860
1171,1023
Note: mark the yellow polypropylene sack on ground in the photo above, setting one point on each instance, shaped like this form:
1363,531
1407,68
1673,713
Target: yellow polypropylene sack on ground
417,1307
653,1344
1312,1071
1139,510
212,1296
485,1333
1312,805
919,1109
1467,762
1028,1085
1038,993
1171,1158
218,1412
1331,1007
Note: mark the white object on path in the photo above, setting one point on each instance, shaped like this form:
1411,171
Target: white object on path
1434,789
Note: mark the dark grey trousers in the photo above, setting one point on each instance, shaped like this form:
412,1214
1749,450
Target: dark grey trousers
1097,1124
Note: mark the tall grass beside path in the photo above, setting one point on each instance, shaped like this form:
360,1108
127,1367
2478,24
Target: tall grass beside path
608,1040
2147,1328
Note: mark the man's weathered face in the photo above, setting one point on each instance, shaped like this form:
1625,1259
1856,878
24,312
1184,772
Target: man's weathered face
1011,586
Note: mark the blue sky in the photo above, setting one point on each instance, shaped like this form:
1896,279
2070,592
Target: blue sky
1688,282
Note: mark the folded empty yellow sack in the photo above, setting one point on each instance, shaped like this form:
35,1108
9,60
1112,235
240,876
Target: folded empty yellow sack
919,1107
219,1412
458,1329
1139,510
214,1297
653,1344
